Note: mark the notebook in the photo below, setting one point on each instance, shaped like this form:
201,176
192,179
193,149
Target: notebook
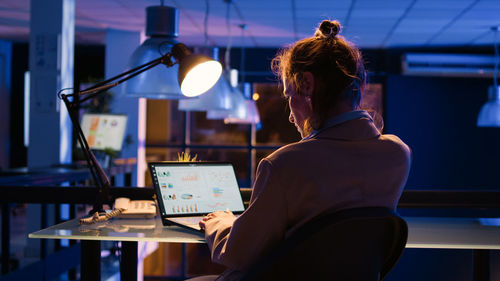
187,191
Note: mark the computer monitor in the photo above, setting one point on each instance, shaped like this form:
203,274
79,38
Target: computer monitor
104,131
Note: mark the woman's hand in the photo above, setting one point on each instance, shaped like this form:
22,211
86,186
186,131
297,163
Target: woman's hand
216,215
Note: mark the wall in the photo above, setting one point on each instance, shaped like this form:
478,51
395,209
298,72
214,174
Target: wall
436,117
5,93
89,65
18,152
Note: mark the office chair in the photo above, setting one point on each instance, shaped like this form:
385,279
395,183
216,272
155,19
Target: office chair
353,244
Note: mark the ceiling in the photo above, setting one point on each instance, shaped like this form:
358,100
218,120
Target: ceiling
274,23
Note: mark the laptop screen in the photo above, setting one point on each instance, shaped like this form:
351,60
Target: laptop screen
195,188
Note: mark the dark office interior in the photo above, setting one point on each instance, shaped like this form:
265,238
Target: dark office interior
430,66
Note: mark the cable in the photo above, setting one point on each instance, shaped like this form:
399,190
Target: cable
95,218
205,21
242,57
294,20
63,90
189,17
348,16
242,19
227,58
495,70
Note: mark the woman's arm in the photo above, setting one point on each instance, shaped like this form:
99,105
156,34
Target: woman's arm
239,242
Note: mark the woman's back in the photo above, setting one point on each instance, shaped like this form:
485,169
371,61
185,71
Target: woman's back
346,166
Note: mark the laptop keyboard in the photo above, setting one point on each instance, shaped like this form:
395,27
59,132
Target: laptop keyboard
187,220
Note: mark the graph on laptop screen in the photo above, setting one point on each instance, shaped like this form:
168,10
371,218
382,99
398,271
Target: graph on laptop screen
198,189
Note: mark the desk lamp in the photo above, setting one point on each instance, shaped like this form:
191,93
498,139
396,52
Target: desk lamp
196,75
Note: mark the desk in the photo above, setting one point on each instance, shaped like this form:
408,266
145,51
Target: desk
129,231
456,233
424,232
451,233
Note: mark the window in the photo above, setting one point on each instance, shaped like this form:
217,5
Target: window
170,131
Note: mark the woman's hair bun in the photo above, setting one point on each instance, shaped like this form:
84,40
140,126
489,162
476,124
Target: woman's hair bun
328,29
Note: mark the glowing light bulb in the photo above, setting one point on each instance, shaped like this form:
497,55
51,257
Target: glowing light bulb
201,78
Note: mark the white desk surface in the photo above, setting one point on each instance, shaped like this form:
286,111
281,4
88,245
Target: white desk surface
424,232
451,233
121,230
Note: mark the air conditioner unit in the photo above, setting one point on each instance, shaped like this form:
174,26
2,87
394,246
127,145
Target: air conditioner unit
462,65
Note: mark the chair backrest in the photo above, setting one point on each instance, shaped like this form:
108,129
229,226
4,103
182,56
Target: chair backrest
352,244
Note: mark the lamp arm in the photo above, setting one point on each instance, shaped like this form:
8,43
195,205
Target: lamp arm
163,59
98,90
98,174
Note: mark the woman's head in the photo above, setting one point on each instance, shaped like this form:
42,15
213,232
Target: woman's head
325,70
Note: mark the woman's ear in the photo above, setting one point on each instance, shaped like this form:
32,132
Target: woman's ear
307,84
308,87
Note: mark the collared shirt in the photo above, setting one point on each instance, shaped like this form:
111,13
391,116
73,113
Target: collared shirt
344,117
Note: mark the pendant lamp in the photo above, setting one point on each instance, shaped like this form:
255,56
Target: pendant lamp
159,82
238,107
252,113
252,116
489,116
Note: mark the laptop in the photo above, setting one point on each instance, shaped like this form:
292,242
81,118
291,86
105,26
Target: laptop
187,191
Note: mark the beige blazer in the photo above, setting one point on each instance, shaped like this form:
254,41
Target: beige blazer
348,165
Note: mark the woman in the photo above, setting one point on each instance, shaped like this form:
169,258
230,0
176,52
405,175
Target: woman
342,161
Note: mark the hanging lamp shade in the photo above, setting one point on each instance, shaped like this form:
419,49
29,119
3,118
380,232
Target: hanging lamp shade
238,108
252,116
489,116
159,82
216,98
252,113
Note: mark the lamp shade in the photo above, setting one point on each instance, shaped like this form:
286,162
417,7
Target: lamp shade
159,82
216,98
489,116
238,108
199,76
197,73
252,116
252,113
